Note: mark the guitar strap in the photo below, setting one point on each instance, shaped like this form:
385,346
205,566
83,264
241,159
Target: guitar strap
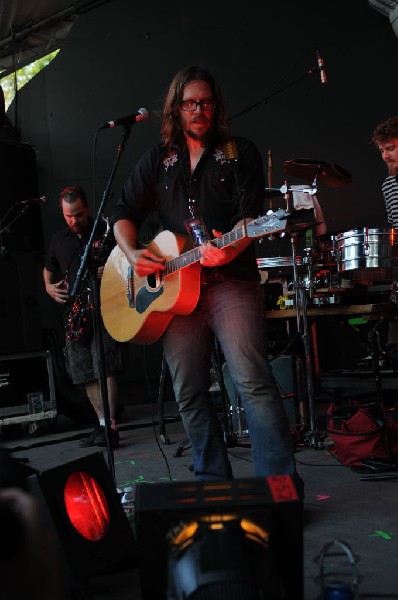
232,155
230,150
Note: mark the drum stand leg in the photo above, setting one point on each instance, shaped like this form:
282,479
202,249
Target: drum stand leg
230,437
312,437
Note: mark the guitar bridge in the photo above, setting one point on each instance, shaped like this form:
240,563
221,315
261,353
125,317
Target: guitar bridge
130,287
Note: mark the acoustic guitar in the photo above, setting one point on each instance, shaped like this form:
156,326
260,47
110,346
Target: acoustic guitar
138,309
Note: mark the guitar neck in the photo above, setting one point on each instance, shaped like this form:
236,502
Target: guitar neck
193,255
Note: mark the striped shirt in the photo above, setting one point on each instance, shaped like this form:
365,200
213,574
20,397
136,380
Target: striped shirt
390,193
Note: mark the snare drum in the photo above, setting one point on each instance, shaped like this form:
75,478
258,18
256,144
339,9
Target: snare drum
366,248
278,262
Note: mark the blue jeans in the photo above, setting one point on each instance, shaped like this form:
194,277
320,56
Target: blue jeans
234,312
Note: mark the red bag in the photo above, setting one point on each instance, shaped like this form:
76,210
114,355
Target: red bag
361,432
392,434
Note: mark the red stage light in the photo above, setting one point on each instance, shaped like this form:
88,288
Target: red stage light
80,502
86,506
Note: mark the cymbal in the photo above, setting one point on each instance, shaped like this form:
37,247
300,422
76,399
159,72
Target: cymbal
324,172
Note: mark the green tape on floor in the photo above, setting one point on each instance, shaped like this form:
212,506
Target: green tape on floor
357,321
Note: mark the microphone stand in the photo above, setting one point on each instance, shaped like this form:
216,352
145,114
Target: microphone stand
265,99
6,228
96,303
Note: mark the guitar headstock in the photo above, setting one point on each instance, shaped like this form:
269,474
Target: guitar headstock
267,224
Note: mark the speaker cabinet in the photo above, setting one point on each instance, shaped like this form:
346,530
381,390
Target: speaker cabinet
27,391
18,181
20,323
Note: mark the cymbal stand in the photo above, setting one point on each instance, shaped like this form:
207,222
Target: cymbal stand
312,436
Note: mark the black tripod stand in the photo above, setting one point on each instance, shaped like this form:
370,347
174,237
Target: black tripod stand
296,225
313,437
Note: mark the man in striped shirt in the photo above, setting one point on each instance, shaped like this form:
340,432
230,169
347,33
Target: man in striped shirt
385,138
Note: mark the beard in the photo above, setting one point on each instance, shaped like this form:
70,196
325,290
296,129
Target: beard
199,137
392,168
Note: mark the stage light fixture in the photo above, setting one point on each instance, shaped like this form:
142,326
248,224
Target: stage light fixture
79,502
239,539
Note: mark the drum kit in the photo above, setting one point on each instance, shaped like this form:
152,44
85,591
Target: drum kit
328,267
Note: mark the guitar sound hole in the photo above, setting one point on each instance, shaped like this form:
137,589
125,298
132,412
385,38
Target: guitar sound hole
151,279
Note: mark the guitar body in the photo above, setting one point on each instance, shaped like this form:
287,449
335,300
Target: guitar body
138,309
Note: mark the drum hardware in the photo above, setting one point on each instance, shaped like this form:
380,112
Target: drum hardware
227,389
277,262
325,253
333,176
322,300
312,436
237,426
241,429
284,189
309,279
321,297
323,279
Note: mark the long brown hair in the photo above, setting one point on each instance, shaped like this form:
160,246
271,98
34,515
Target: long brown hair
171,131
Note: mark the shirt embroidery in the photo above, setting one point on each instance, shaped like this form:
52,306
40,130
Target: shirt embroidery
170,160
219,155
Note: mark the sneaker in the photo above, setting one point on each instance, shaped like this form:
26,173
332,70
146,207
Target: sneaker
89,441
100,438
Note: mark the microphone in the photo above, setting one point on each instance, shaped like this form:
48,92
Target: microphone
321,68
141,115
42,200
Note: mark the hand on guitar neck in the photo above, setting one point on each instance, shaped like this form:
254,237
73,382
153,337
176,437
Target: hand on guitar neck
214,256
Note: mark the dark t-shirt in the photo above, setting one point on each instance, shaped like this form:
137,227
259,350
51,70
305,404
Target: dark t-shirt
65,252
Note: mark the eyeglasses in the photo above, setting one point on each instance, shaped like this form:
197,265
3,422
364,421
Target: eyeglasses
192,105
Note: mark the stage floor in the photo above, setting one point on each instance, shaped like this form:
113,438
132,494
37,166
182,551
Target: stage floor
338,505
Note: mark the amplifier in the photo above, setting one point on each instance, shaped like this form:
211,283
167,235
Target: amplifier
27,391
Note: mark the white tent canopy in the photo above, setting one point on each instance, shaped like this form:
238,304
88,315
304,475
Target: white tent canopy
30,30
